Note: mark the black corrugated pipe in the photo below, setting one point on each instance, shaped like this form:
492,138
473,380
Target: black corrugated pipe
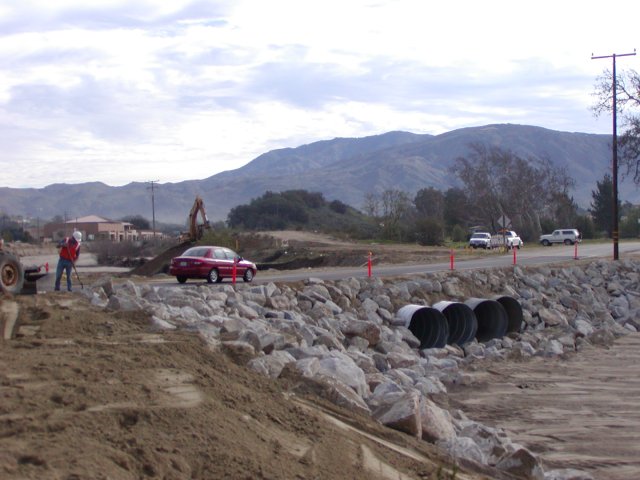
492,318
427,324
514,312
461,320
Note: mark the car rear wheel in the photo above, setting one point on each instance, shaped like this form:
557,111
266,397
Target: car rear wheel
567,241
214,276
546,242
181,279
248,275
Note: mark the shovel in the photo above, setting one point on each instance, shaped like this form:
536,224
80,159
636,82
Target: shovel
75,269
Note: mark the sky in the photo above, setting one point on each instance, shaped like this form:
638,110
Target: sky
171,90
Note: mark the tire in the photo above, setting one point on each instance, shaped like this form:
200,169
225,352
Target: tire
248,275
11,274
214,276
181,279
568,242
546,242
519,246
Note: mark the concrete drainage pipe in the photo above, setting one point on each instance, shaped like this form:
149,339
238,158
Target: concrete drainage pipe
514,312
427,324
492,318
461,320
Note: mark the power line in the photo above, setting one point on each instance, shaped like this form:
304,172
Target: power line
614,87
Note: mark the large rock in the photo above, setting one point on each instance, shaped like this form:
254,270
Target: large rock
523,464
367,330
436,422
271,365
403,414
464,447
343,368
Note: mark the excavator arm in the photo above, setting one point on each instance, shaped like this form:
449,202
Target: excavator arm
196,230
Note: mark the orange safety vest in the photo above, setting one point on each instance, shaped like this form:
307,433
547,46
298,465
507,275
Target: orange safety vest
70,249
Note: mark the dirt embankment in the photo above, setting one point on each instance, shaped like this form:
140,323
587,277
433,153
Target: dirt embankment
88,394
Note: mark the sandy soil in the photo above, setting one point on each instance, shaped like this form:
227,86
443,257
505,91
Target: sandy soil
87,394
580,412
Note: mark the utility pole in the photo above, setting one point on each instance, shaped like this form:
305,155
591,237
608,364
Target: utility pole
153,206
614,87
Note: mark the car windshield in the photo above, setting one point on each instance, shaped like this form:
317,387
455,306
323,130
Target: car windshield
196,252
480,235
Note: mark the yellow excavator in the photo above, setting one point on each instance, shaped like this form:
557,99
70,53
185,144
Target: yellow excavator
196,230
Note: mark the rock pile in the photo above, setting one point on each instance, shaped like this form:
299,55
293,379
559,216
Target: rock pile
347,335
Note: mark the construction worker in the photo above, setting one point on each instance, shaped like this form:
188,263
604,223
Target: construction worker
69,253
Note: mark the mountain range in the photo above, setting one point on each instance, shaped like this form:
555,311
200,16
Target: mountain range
343,168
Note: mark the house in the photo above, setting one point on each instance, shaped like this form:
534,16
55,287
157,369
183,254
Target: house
93,227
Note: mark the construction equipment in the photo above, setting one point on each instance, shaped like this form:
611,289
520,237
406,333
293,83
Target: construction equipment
16,279
196,230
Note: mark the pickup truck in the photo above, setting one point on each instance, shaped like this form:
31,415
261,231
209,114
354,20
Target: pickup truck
486,240
508,238
480,240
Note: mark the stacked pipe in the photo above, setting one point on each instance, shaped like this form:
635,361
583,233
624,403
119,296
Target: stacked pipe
459,323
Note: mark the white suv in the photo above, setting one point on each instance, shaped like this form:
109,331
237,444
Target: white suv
568,236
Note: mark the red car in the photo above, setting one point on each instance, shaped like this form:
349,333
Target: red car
212,264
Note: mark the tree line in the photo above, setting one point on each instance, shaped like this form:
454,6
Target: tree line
494,184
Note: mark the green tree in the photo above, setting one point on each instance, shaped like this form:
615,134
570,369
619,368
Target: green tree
629,226
272,211
584,224
338,207
429,202
602,205
565,210
429,231
137,221
456,209
459,234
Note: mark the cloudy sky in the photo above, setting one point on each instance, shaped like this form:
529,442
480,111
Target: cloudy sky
170,90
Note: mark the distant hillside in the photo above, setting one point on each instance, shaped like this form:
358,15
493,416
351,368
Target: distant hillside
344,169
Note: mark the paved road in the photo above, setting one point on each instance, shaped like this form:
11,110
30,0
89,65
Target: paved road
526,256
481,259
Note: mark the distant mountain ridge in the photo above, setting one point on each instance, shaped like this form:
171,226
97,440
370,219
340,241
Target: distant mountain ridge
343,168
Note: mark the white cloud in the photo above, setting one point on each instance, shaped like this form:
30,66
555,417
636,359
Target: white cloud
184,89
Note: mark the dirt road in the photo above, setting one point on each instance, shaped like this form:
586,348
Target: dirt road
582,412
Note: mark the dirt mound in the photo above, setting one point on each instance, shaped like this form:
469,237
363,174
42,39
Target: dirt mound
161,262
89,394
